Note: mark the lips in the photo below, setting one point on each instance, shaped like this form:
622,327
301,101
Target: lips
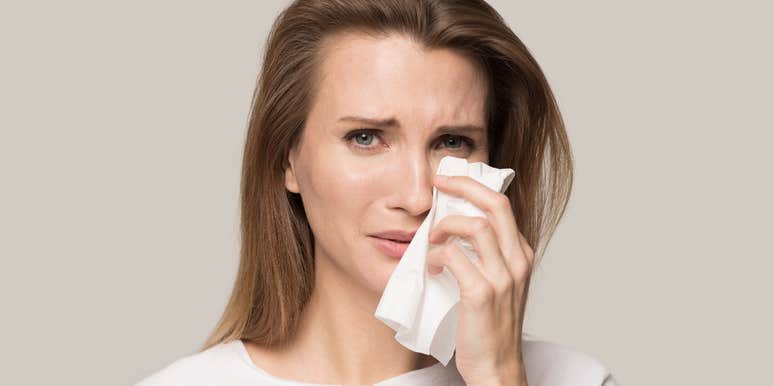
396,235
391,248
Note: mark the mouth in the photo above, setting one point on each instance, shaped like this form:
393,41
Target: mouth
391,248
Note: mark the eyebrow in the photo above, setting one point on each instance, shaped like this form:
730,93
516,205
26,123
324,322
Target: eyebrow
392,122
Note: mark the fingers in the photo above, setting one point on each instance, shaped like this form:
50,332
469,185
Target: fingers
475,289
499,212
478,231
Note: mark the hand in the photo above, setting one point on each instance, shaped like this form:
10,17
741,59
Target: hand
493,288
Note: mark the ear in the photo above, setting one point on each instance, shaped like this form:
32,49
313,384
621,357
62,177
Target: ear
291,183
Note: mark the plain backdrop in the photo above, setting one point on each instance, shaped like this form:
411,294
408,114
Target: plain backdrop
121,134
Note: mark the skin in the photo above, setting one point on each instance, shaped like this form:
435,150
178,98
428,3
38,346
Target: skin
383,180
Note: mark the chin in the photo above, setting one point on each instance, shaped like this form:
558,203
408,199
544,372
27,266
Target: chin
377,272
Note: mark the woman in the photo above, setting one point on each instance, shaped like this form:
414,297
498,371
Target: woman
356,104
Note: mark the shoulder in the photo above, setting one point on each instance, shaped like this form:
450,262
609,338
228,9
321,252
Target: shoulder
200,368
550,363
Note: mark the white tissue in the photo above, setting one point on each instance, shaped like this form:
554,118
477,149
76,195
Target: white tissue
420,307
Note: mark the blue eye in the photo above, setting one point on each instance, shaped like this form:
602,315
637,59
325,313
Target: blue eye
364,139
364,135
455,139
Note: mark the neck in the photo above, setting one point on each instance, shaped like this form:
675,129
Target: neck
339,339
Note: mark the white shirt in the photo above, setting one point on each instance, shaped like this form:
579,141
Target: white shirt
229,364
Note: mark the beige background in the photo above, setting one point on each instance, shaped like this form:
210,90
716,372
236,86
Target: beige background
121,131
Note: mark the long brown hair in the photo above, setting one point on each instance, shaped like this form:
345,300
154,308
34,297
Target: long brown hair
525,133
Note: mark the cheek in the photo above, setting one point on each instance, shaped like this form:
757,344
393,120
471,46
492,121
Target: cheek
336,195
341,200
347,180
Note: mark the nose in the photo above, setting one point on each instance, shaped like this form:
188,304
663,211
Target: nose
414,186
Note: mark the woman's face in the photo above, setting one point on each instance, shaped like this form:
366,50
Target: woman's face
357,178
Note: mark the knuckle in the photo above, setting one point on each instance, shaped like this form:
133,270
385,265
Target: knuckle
445,226
503,201
479,225
482,295
522,269
528,251
504,284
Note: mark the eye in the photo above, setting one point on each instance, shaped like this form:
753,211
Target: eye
456,141
363,139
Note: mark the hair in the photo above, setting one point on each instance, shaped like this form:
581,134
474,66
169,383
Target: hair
524,127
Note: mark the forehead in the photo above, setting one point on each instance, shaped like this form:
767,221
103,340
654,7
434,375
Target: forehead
393,75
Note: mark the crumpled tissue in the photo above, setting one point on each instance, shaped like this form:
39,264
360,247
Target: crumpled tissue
420,307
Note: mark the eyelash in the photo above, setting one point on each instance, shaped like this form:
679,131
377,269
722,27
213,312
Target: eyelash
352,134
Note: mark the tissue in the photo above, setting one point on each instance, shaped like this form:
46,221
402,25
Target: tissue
420,307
